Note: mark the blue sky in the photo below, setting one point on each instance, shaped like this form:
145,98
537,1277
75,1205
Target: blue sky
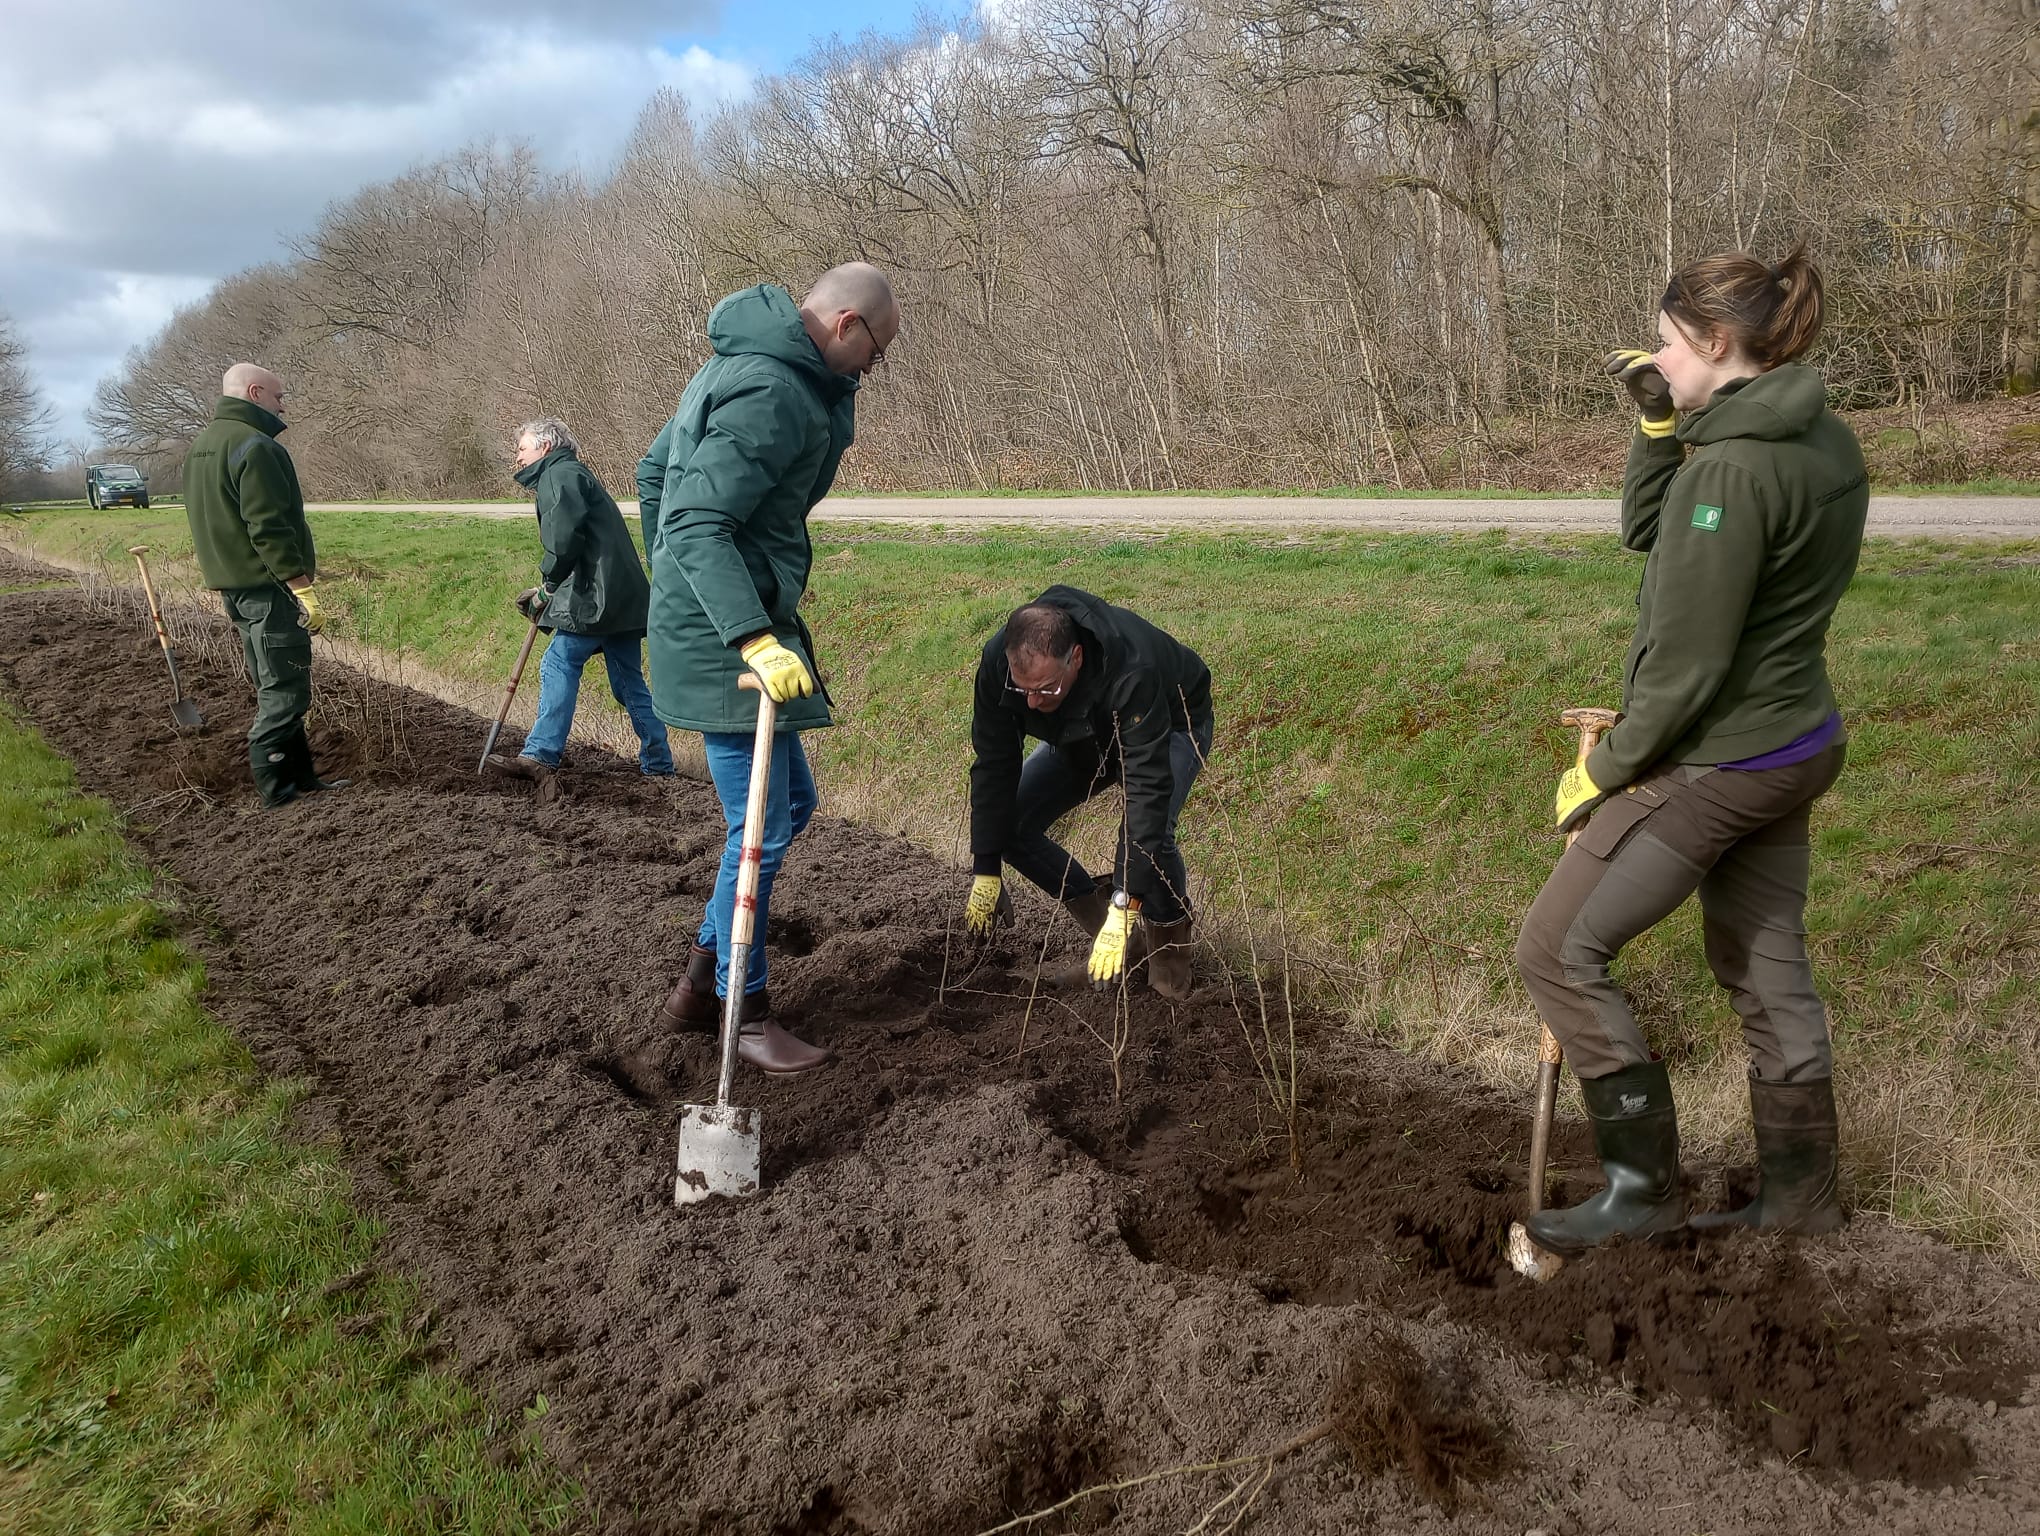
140,173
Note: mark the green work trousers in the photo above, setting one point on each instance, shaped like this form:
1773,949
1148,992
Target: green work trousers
1738,839
278,651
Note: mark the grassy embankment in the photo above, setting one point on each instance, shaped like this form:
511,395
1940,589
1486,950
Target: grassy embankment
1388,736
190,1336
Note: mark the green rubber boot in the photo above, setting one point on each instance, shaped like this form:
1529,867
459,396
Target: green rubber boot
1636,1133
1798,1144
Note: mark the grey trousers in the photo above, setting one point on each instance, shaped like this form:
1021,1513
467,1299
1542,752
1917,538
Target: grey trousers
1741,841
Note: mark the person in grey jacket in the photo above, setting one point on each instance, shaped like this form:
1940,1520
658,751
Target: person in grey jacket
592,594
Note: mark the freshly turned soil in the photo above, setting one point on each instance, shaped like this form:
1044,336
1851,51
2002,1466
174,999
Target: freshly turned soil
977,1282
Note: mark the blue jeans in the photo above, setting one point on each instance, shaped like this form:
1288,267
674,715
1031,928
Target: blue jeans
559,689
789,806
1051,786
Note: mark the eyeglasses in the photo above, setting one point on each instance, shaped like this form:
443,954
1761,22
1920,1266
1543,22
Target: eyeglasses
877,352
1054,691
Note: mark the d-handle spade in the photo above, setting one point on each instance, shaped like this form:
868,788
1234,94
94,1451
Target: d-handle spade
720,1142
182,710
1525,1257
509,693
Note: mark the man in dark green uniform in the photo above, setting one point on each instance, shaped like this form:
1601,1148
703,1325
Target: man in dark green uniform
724,493
254,548
592,595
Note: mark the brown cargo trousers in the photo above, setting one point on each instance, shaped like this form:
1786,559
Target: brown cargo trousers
1741,840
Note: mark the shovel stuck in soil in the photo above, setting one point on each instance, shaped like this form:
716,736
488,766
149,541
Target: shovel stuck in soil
719,1142
182,710
1525,1257
509,693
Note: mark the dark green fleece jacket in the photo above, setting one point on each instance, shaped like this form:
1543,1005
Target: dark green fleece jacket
241,496
1752,520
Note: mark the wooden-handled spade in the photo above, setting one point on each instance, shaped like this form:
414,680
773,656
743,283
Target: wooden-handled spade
720,1143
182,710
1525,1257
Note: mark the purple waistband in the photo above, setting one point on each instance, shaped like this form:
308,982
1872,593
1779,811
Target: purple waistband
1812,744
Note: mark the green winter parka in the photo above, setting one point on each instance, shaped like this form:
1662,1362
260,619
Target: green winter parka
724,493
1752,516
593,582
242,499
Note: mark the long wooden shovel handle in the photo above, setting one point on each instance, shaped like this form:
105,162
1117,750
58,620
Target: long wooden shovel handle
744,918
509,693
149,587
1593,725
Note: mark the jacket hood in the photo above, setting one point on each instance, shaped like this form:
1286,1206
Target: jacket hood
764,321
528,476
234,408
1783,402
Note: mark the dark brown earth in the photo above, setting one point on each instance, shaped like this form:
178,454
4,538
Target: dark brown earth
977,1284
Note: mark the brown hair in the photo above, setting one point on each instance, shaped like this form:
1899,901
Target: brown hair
1772,312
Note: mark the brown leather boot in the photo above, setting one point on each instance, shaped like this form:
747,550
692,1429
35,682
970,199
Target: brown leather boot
1089,912
692,1004
764,1045
1168,958
1090,908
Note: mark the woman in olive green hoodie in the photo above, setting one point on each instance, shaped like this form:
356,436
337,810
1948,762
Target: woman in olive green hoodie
1747,497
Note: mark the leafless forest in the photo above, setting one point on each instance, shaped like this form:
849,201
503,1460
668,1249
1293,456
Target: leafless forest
1155,243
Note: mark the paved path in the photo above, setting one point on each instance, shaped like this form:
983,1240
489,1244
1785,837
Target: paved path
1949,517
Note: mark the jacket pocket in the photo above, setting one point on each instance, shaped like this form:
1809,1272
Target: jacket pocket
1618,818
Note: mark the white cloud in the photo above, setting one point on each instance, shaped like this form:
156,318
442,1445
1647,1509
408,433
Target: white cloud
157,147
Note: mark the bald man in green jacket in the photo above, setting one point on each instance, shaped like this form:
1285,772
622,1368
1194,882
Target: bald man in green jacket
254,548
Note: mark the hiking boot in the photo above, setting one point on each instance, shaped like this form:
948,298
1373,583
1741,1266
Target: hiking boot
1797,1155
517,767
1167,946
1636,1133
764,1045
692,1004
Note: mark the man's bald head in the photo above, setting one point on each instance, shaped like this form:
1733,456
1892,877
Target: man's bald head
852,315
254,383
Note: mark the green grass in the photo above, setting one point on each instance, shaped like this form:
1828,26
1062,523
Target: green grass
1388,742
175,1353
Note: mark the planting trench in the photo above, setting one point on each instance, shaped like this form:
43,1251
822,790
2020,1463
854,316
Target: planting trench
976,1284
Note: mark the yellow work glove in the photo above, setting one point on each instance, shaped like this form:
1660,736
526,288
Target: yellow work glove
987,906
783,673
308,600
1578,794
1108,950
1647,386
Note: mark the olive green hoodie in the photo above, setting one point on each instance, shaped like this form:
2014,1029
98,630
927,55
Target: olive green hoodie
1752,517
724,494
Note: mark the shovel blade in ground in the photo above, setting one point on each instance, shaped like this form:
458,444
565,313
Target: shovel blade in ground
186,714
719,1152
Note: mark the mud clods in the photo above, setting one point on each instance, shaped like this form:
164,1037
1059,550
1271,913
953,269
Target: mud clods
978,1281
1393,1410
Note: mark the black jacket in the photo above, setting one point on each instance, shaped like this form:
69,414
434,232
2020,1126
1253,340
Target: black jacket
593,581
1135,687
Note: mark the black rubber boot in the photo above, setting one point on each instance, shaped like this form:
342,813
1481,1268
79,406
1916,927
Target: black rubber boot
306,776
1636,1133
275,776
1798,1143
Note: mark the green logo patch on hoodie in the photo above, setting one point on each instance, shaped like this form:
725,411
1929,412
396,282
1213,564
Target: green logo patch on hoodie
1706,517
